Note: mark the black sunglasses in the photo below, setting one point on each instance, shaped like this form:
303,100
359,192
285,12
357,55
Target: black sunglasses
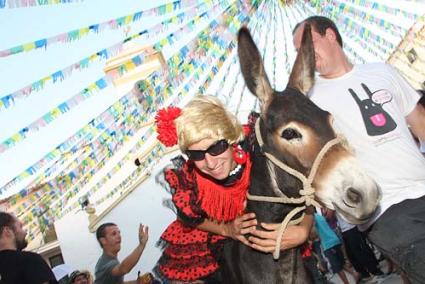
215,149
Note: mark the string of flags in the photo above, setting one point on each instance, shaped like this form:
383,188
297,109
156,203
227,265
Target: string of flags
32,3
94,28
381,7
258,17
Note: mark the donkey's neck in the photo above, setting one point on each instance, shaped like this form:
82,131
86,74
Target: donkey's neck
268,180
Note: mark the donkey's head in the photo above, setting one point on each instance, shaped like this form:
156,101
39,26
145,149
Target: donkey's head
295,130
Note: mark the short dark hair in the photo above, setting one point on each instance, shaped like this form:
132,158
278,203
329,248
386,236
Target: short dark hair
320,25
100,232
6,220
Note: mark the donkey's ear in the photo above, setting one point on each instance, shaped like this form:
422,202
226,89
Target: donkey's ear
302,75
253,69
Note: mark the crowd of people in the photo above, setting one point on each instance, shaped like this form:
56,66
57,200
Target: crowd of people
209,185
337,247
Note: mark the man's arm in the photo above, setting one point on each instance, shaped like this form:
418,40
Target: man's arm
131,260
416,120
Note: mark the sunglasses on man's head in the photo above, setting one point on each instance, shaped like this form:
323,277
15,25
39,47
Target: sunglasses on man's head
215,149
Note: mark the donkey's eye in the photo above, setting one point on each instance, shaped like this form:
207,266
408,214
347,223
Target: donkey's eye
290,134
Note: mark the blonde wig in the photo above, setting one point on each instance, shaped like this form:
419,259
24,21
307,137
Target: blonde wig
205,117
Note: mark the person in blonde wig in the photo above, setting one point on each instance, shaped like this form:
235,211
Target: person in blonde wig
205,117
209,191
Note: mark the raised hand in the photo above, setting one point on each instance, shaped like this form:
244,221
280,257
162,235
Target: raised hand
143,234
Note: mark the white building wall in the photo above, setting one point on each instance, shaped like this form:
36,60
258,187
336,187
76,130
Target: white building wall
144,205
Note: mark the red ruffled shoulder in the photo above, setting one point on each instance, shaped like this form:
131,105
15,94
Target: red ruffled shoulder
185,194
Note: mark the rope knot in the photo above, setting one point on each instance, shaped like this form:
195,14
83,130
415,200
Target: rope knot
308,193
308,190
309,200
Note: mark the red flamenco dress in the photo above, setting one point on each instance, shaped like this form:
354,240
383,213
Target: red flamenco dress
191,254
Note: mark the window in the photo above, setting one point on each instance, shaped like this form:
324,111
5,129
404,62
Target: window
56,260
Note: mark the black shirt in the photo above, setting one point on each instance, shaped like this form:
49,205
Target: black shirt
23,267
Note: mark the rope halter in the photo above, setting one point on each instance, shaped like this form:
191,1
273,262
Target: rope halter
306,193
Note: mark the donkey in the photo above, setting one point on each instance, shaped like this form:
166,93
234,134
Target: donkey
297,155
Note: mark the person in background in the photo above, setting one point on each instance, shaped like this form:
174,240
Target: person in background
80,277
373,106
359,253
108,269
331,245
16,265
314,262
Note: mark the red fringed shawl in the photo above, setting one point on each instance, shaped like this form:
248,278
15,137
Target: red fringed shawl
221,203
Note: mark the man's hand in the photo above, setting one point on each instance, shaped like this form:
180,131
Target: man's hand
131,260
240,226
294,235
143,234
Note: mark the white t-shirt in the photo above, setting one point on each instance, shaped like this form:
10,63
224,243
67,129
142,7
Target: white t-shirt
369,105
343,225
422,146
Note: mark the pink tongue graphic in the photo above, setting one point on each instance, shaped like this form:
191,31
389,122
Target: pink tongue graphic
378,119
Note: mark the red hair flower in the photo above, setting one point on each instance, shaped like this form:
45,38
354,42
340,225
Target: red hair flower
165,126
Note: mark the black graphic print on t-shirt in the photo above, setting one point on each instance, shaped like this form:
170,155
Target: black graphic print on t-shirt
377,121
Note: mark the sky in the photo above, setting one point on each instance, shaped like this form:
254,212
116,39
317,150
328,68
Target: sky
28,24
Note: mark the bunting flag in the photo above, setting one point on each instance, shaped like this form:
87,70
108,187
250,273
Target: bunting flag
32,3
203,9
255,25
55,113
285,30
265,23
360,15
381,7
274,23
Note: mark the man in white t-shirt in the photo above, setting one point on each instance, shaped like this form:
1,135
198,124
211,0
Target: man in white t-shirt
372,106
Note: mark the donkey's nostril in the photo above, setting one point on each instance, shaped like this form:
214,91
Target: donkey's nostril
353,196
